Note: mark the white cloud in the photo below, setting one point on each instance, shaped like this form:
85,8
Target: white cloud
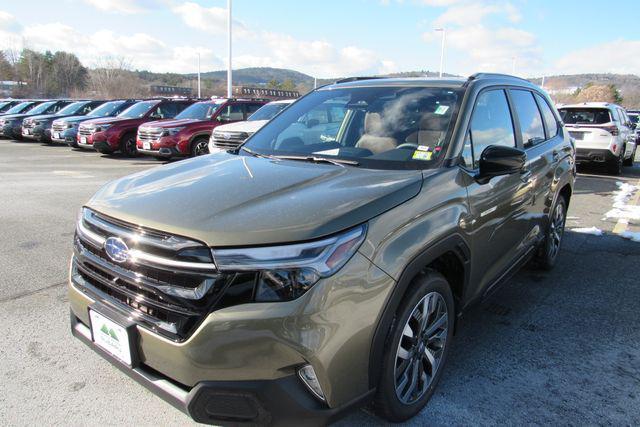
127,7
618,56
212,20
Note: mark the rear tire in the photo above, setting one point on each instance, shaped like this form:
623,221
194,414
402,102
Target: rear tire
416,350
615,166
128,147
548,252
629,161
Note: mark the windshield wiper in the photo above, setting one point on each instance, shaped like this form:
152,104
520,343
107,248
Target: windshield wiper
338,162
254,154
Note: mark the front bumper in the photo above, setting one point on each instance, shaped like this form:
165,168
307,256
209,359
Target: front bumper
37,133
68,136
166,146
282,401
584,155
235,348
11,131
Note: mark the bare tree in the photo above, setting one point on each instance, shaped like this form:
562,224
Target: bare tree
113,78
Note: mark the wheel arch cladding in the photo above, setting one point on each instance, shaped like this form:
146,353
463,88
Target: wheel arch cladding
451,258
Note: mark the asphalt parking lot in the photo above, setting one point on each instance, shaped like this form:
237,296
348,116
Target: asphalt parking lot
549,348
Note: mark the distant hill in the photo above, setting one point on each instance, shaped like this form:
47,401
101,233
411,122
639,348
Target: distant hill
258,76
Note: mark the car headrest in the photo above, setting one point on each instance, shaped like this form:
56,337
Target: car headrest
373,124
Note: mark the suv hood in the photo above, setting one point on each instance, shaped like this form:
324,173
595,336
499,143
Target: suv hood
170,123
248,126
75,119
230,200
46,117
116,120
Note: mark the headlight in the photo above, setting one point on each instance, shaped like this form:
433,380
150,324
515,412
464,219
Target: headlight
172,131
288,271
102,128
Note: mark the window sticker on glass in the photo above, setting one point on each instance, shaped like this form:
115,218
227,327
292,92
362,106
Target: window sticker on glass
441,110
422,155
332,152
423,148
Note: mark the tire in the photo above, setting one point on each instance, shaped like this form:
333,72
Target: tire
128,147
615,166
199,146
548,252
405,359
629,161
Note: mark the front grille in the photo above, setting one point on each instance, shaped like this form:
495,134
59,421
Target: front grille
28,124
58,127
149,134
229,140
170,285
85,131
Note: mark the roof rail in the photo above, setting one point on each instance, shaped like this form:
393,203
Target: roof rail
477,76
356,79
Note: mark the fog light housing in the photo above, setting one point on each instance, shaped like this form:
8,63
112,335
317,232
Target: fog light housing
308,377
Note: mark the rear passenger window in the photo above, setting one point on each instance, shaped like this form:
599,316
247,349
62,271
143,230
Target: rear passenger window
529,116
490,125
251,108
548,116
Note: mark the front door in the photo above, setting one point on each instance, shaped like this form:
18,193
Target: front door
501,207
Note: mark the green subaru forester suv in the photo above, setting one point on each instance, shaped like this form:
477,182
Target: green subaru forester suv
326,262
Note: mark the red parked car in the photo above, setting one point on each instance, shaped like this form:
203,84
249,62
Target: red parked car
118,134
188,133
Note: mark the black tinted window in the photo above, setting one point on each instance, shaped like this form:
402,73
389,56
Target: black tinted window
490,125
232,113
251,108
585,116
548,116
530,119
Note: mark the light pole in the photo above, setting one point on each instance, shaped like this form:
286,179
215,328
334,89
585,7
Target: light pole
513,65
199,94
444,35
229,72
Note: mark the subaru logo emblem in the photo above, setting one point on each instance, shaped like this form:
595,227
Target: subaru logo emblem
227,136
116,249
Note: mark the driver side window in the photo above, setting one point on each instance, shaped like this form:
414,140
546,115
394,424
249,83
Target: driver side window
491,124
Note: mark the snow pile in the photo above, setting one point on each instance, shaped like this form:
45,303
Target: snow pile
634,236
621,208
589,230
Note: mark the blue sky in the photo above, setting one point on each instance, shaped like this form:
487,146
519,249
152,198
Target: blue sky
331,38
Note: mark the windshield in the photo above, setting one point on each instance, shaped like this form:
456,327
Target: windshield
585,116
138,110
20,108
4,104
199,111
377,127
41,108
105,109
633,117
267,112
72,108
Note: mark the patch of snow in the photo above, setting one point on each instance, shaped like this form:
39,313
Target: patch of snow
634,236
589,230
622,210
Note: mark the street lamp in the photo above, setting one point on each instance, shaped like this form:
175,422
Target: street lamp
444,34
229,72
199,94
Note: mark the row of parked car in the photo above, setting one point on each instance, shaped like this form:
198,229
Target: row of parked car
162,127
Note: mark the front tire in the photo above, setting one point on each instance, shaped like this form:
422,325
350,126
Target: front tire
128,146
200,147
417,348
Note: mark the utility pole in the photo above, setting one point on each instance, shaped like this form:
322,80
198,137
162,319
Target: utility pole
513,65
199,93
229,71
542,86
444,34
315,82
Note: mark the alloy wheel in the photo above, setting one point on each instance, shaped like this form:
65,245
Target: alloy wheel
201,148
421,348
556,230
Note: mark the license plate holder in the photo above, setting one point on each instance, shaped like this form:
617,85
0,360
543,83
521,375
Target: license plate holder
146,145
83,140
578,136
114,334
56,135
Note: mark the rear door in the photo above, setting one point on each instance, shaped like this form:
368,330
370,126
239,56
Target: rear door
499,208
542,156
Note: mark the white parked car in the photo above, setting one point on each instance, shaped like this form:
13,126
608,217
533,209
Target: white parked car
602,133
228,137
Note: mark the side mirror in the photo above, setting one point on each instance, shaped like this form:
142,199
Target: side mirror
497,160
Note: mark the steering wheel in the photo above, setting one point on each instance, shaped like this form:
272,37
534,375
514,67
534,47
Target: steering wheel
408,145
